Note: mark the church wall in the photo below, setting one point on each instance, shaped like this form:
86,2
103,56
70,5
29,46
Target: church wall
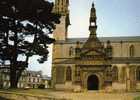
123,49
138,86
125,82
63,82
59,32
119,84
137,50
126,77
119,49
63,50
116,49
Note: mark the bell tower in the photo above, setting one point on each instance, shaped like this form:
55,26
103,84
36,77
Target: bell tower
61,7
92,21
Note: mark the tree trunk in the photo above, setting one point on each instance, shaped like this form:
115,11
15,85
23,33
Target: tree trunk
13,66
13,81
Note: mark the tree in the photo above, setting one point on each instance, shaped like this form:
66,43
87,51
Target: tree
20,19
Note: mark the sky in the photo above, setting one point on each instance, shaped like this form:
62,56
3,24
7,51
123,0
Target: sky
114,18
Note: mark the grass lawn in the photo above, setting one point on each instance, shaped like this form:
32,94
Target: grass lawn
137,98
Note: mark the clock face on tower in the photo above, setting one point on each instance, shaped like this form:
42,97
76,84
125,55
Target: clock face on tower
92,23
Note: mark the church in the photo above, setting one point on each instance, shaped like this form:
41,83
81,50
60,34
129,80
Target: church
93,63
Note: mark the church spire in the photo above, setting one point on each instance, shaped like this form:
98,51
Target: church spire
92,20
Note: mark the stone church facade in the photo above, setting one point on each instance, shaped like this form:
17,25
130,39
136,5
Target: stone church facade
94,63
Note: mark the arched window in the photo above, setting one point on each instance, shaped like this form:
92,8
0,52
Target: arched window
109,49
60,75
71,51
138,73
115,73
68,74
62,2
131,50
123,74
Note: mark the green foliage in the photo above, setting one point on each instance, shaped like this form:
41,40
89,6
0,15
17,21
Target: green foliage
20,19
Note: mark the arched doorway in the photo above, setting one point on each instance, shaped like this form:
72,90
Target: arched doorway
93,82
68,74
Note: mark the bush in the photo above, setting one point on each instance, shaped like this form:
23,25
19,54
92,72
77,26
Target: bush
41,86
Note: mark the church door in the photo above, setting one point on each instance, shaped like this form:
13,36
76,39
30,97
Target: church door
93,83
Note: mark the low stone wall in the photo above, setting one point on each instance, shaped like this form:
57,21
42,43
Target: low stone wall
20,96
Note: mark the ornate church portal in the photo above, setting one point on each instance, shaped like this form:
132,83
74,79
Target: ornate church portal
93,82
91,58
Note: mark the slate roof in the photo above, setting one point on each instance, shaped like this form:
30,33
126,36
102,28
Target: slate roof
104,39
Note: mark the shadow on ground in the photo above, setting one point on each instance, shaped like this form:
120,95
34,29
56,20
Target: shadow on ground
2,98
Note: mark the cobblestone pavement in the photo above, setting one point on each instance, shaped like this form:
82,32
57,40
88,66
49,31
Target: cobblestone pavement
95,96
87,95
